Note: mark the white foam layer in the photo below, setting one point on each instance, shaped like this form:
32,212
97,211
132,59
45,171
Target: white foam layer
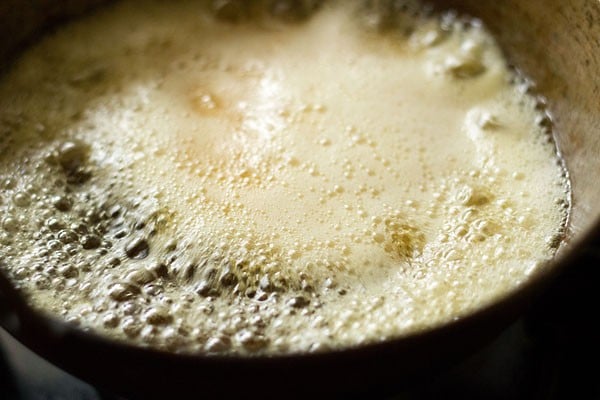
388,183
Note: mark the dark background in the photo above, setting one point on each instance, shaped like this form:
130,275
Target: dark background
551,352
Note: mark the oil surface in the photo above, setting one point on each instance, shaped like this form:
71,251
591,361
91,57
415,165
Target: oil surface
240,180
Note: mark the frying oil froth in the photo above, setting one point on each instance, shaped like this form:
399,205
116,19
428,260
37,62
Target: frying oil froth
264,187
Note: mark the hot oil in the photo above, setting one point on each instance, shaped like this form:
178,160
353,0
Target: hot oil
267,180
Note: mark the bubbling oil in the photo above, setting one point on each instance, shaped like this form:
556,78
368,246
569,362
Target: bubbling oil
255,178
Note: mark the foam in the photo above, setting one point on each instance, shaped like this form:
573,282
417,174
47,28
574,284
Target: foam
264,187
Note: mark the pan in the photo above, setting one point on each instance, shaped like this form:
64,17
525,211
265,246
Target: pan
557,43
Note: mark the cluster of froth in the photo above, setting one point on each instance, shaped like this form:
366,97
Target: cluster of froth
272,176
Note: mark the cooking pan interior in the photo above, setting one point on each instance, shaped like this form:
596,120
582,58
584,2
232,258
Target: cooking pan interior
556,43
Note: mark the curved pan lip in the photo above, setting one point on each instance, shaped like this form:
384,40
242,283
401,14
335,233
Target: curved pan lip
516,300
